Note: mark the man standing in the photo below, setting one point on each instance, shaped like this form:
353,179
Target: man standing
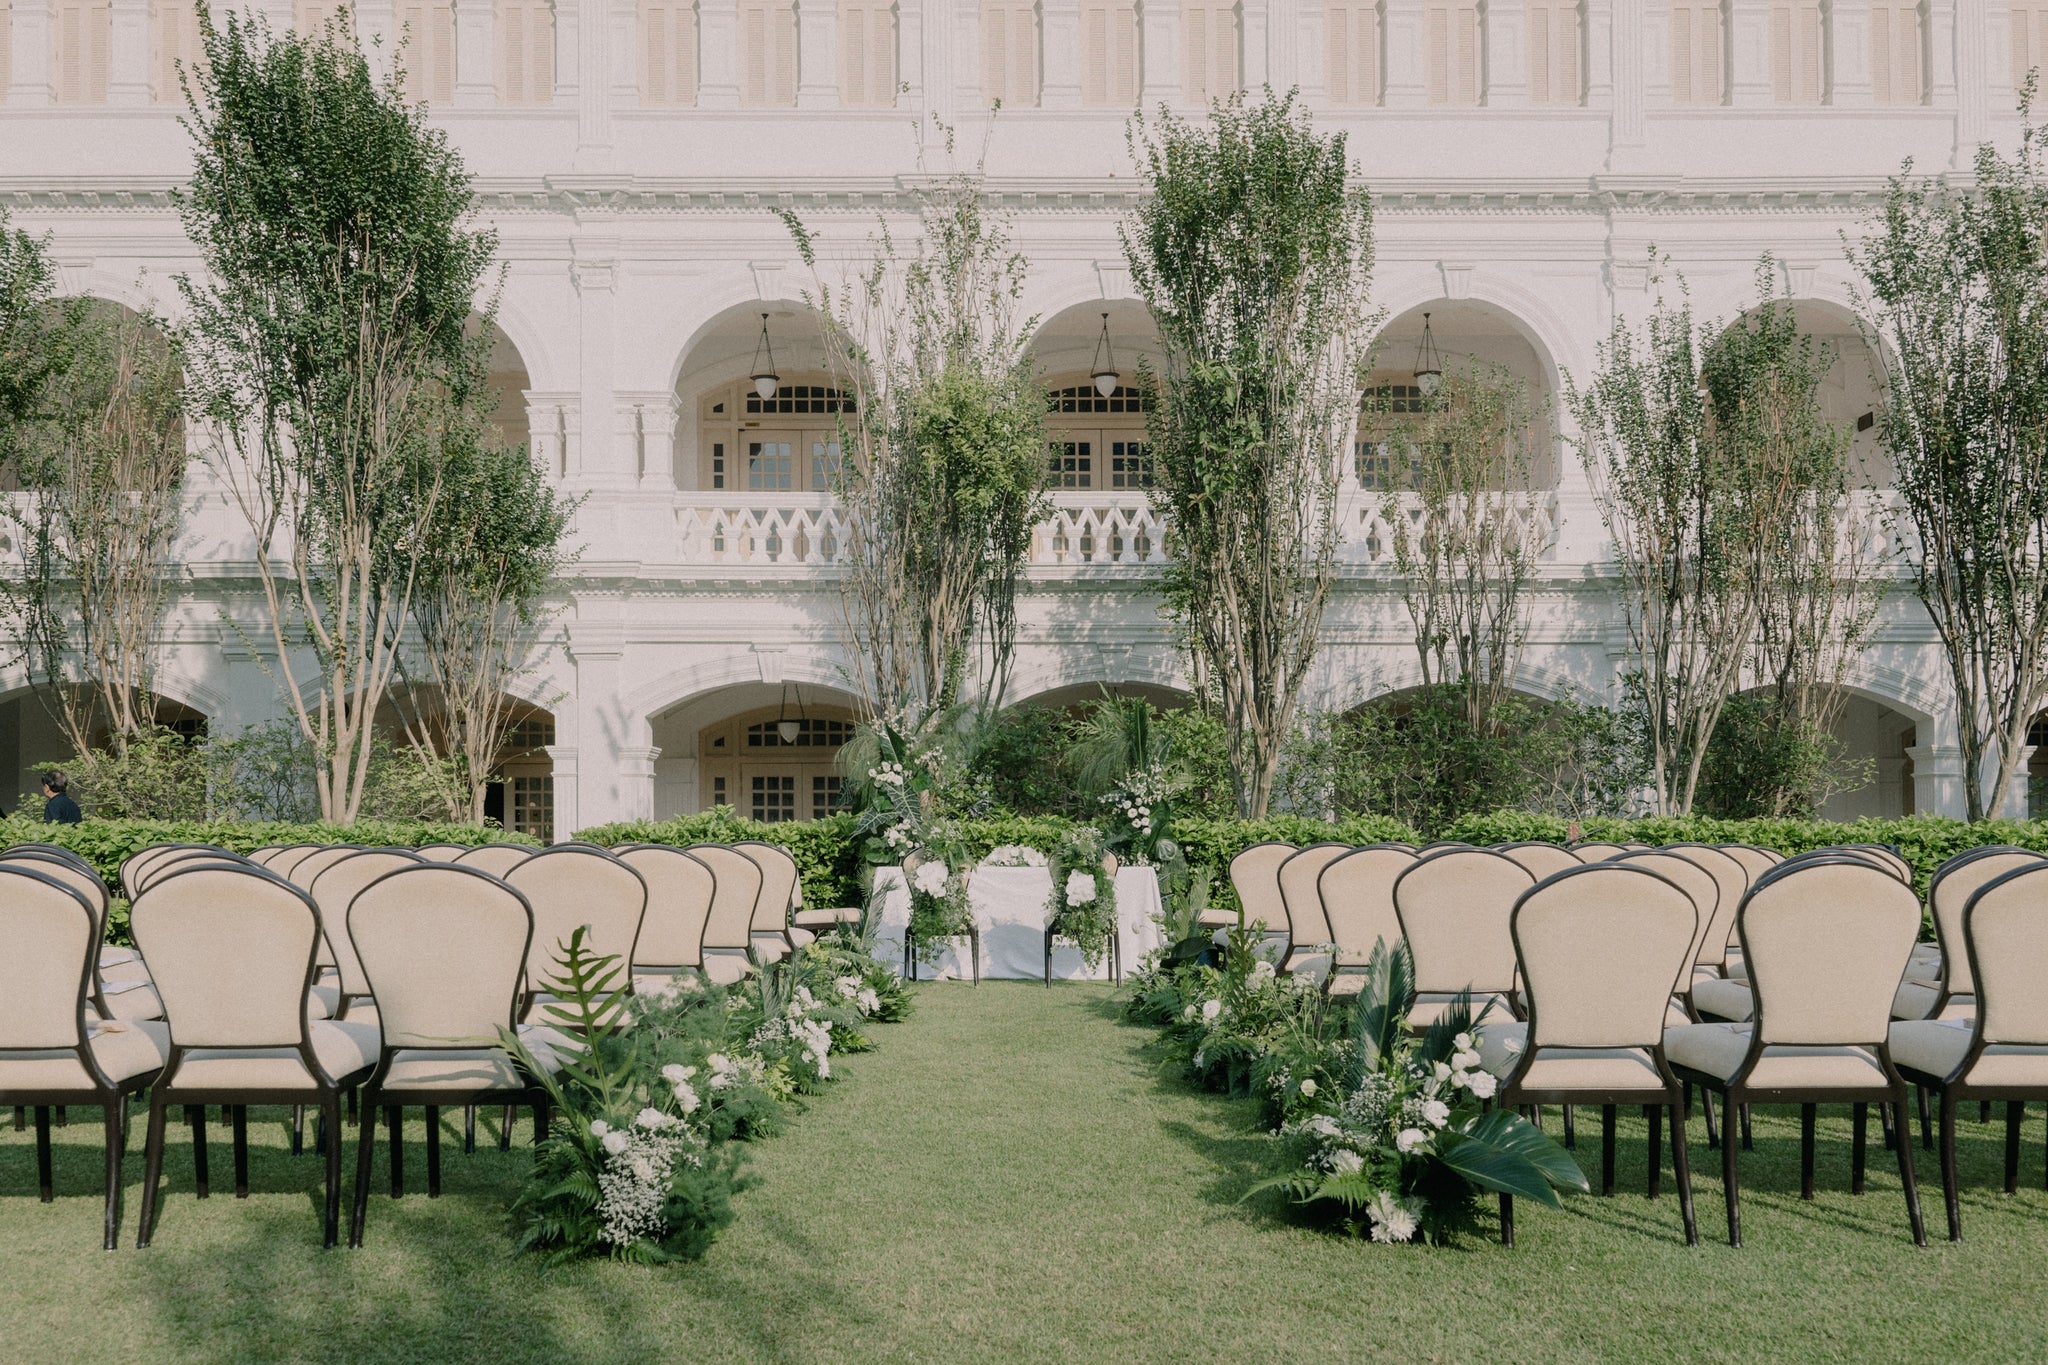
59,808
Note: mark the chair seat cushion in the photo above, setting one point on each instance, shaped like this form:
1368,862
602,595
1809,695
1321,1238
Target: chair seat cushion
1915,1000
343,1049
134,1000
123,1051
322,1000
111,956
725,967
1936,1048
1430,1007
801,937
1730,1000
1602,1069
825,919
467,1069
1718,1050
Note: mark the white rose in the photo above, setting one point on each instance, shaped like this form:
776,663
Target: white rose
615,1143
1436,1113
931,878
1411,1139
1080,888
1443,1073
1465,1061
1346,1163
1483,1084
1210,1009
1463,1042
1308,1088
598,1127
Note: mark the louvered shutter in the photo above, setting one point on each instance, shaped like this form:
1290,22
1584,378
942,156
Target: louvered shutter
526,46
1453,65
768,54
1896,52
174,39
1551,44
668,52
867,54
1109,54
429,27
1009,53
81,34
1696,38
1351,36
1209,49
1796,55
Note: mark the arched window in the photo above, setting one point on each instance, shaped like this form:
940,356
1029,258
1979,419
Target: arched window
767,54
81,37
1009,53
867,54
668,52
1209,44
785,444
526,52
1798,52
1550,36
1698,37
429,53
1109,53
1351,52
1097,442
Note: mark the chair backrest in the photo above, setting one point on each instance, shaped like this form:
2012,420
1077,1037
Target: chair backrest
442,853
1301,895
307,869
572,887
54,850
1954,882
779,879
1255,876
1596,850
1888,856
262,856
1542,859
728,924
70,871
187,858
442,947
286,859
1837,852
51,934
1755,862
2005,936
1357,892
680,888
1699,886
495,859
1599,946
1455,909
1733,880
137,864
230,952
333,891
1826,941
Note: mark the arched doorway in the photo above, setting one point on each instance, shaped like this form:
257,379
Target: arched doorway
1451,343
769,751
1096,440
739,434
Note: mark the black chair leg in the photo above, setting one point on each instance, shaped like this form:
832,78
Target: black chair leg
1926,1127
1681,1169
1048,959
1884,1124
1571,1128
298,1129
1748,1144
1907,1176
1713,1129
330,1110
20,1117
239,1125
394,1121
1606,1149
45,1178
1859,1146
505,1130
1950,1196
1807,1114
360,1204
152,1168
1729,1150
541,1113
1983,1112
468,1130
197,1112
1653,1114
2015,1111
1507,1220
433,1151
117,1142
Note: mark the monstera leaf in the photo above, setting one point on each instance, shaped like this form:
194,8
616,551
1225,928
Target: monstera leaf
1503,1151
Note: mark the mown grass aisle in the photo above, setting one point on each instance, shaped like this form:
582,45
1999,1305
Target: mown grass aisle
1010,1178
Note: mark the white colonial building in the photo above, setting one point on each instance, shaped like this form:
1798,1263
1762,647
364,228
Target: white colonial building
1524,157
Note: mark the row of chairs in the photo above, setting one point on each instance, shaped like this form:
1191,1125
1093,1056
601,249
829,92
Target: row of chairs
404,950
1611,963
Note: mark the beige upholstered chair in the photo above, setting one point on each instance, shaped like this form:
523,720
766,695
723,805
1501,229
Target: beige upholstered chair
305,869
496,859
1454,909
176,858
333,890
1541,859
442,853
1731,881
1940,985
1357,892
680,889
52,1050
570,888
286,860
1886,856
729,924
1255,877
1705,893
1597,948
443,948
1826,941
231,950
139,862
1309,940
2002,1053
262,856
1596,850
780,883
120,982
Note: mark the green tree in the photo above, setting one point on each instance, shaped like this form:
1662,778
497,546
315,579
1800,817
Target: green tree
1957,287
1255,259
327,346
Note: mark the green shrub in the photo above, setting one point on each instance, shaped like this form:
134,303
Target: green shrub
827,852
1213,843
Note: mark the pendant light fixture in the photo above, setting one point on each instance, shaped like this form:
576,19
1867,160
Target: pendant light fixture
766,381
1105,375
1429,366
789,728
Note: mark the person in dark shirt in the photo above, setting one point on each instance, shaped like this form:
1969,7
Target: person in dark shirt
59,808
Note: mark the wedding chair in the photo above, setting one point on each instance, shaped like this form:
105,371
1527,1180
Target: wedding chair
1116,938
231,950
1732,881
1598,949
1596,851
1887,856
1826,941
262,856
1541,859
1705,894
53,1052
1357,893
569,888
333,890
70,855
680,890
1255,877
781,880
2001,939
1940,985
285,860
973,932
189,858
729,923
443,948
138,862
495,859
442,853
1311,947
1454,908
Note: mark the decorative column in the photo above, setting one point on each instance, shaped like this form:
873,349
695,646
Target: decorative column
1848,32
608,784
1159,74
30,85
817,73
1407,84
563,756
1749,71
1938,780
128,58
604,462
1617,76
622,53
1060,83
476,54
1501,23
653,417
1654,52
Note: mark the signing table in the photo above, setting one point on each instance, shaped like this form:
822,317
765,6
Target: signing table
1008,903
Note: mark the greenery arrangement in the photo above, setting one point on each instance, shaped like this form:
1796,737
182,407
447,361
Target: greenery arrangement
1081,907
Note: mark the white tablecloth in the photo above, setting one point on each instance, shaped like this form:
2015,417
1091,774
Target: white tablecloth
1008,904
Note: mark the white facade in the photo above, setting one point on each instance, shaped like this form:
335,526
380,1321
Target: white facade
1524,157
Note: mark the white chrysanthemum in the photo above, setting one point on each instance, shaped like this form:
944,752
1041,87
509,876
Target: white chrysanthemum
1210,1009
598,1128
1262,972
1346,1162
930,878
653,1119
686,1097
1308,1087
1393,1220
1080,888
1411,1140
675,1073
616,1142
1483,1084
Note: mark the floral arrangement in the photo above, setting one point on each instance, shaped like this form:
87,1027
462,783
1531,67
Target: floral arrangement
1013,855
1396,1135
1225,1024
1082,905
915,792
1141,810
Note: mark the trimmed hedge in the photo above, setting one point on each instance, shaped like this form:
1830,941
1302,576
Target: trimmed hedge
1213,843
825,852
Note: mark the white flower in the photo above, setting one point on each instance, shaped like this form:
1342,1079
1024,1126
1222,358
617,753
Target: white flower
1210,1009
675,1073
1436,1113
1262,973
1483,1084
616,1143
847,986
1308,1088
1393,1220
598,1128
1323,1125
930,878
1189,1012
686,1097
868,1001
1465,1061
1346,1162
1411,1140
1443,1073
1080,887
1463,1042
653,1118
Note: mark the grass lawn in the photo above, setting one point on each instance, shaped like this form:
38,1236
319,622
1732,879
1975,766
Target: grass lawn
1011,1177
